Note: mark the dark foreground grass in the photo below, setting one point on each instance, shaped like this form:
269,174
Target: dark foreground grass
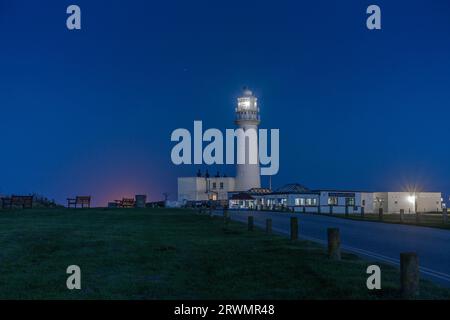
171,254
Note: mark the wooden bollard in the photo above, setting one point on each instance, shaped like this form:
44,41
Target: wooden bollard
269,226
417,217
250,223
346,211
334,244
380,214
362,212
294,228
402,215
409,275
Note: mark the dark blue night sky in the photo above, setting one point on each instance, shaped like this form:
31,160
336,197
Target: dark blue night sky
91,111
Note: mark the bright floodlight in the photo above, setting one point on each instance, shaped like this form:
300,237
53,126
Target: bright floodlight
412,199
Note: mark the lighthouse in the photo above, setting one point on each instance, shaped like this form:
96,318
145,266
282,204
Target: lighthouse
247,117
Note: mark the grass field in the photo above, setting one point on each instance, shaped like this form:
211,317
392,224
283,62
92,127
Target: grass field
171,254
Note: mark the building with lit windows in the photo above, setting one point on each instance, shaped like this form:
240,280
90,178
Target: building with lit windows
203,187
410,202
254,198
297,198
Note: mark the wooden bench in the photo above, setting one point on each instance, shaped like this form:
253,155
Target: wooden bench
83,201
126,203
25,201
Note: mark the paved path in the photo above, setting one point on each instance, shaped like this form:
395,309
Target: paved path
375,241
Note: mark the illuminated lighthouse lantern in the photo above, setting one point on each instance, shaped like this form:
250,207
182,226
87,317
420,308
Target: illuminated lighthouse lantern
247,117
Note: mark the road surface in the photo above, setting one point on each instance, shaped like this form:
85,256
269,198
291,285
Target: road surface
375,241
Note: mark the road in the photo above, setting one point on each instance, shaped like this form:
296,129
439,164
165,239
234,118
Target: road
371,240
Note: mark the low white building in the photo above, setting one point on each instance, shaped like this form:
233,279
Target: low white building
342,202
297,198
410,202
242,200
292,196
300,199
204,188
254,198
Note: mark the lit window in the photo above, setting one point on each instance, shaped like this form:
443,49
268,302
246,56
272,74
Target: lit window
350,202
333,201
311,202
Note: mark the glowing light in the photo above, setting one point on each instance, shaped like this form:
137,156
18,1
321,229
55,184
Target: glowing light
244,103
412,199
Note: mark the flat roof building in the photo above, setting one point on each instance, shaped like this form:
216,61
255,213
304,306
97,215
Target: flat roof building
295,197
204,188
410,202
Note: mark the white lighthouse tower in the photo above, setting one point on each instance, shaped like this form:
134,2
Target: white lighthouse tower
247,117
